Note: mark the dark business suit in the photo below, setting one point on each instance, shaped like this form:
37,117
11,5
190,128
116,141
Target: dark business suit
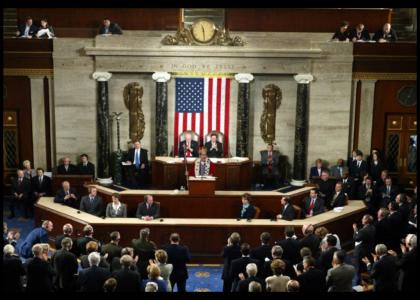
89,169
92,279
408,271
239,266
229,253
13,270
357,172
288,271
249,212
369,198
391,36
338,200
194,147
26,201
59,239
43,186
325,259
32,30
39,276
268,171
288,212
382,232
145,250
376,170
312,281
37,235
318,208
178,256
386,197
341,36
311,241
138,176
65,266
93,207
243,285
71,170
339,279
261,253
153,211
128,280
349,187
72,202
121,212
81,245
326,190
338,171
384,274
113,28
213,152
360,36
112,249
397,224
290,249
366,236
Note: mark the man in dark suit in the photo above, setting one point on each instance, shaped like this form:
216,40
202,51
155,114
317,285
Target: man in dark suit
67,232
365,242
127,279
65,266
348,185
188,147
359,34
148,209
407,265
290,245
230,252
310,239
316,171
358,168
67,168
313,204
338,199
12,271
92,203
112,248
311,280
383,228
396,222
145,250
270,165
262,252
214,147
325,259
86,238
277,253
326,187
387,192
67,195
340,276
247,210
386,34
21,191
178,256
109,28
338,170
251,272
367,193
238,265
36,236
93,278
41,185
27,30
342,34
39,273
85,166
288,212
139,162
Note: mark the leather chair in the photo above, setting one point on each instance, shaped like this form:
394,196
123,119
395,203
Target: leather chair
257,212
194,136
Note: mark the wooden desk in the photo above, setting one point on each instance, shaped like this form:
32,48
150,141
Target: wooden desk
231,173
76,181
204,237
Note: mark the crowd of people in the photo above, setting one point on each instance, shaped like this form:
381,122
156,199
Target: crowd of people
361,34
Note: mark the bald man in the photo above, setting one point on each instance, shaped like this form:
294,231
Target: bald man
386,34
67,168
21,191
67,195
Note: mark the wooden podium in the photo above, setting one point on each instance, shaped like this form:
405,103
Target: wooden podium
202,186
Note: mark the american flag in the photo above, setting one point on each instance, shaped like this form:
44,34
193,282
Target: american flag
202,105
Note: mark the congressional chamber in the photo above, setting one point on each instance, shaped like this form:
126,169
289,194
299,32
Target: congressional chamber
210,149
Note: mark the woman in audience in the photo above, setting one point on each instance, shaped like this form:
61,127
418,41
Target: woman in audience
154,276
277,282
45,31
247,210
165,269
323,232
28,172
375,166
116,209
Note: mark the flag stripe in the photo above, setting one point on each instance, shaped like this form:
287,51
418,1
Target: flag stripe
213,106
226,130
175,149
210,108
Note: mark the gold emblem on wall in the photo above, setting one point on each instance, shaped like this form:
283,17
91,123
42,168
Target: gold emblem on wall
272,99
133,93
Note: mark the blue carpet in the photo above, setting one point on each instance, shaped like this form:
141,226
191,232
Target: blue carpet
205,279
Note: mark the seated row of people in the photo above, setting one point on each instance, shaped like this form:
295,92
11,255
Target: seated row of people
361,34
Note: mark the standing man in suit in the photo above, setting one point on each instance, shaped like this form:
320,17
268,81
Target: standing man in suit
41,185
364,242
230,252
148,209
325,259
339,169
348,185
67,233
85,166
202,166
65,265
326,187
310,239
312,279
127,279
39,273
92,203
13,270
137,158
178,256
359,34
290,246
27,30
387,192
340,276
214,148
247,210
93,278
21,191
239,265
288,212
270,165
188,147
358,168
317,169
386,34
313,204
67,168
109,28
36,236
67,195
112,248
82,241
339,197
263,252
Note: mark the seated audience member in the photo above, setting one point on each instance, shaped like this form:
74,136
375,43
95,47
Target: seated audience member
92,203
202,166
238,265
386,34
311,280
36,236
178,256
65,266
277,282
67,168
45,31
21,191
342,34
112,249
326,187
148,209
87,237
359,34
339,198
188,147
255,287
145,250
367,193
310,239
290,245
110,285
230,252
288,212
67,195
293,286
214,147
358,168
340,276
151,287
313,204
317,169
247,210
27,30
109,28
116,209
339,169
324,261
41,185
92,246
137,159
364,242
263,252
376,167
348,185
382,227
384,270
397,225
270,165
39,273
251,275
154,276
28,172
128,279
13,270
67,232
93,278
388,192
161,258
85,166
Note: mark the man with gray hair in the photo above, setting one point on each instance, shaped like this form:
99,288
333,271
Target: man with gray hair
39,273
37,235
93,278
340,276
128,280
364,239
145,250
151,287
277,253
293,286
13,268
65,266
251,271
255,287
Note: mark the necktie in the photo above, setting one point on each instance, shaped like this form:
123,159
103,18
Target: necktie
20,181
27,30
137,159
270,161
67,168
388,189
311,206
148,207
341,171
358,164
40,180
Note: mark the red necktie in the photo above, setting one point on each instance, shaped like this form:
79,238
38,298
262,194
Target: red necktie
311,206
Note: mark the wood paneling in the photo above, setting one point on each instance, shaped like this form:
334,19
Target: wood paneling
304,19
27,53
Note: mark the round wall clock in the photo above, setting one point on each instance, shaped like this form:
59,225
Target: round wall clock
407,96
203,30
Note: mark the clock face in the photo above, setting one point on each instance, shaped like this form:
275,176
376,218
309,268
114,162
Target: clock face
203,30
407,96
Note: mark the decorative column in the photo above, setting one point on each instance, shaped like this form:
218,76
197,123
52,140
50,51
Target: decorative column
242,134
161,116
301,129
102,109
365,115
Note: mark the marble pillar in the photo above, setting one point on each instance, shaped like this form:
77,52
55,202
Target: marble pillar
367,99
161,116
301,129
102,110
242,135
